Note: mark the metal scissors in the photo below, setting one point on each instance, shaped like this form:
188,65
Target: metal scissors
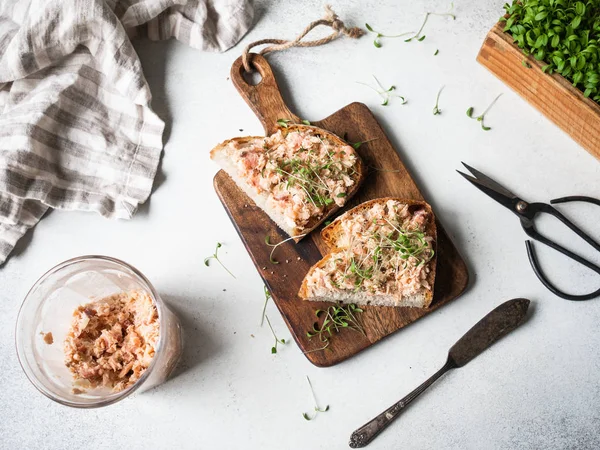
527,212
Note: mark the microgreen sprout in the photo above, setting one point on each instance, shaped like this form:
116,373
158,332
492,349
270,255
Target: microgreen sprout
284,123
417,36
268,242
378,35
277,340
264,311
216,257
384,93
482,115
335,318
317,409
357,145
436,109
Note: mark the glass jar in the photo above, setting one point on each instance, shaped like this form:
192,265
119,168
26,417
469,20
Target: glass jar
49,307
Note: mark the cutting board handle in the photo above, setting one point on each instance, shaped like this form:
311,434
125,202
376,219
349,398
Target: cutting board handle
264,98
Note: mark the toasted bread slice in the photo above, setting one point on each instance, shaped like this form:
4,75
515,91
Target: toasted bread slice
224,154
321,282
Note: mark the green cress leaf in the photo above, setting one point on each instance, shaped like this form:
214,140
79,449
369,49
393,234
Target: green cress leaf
384,93
215,256
316,407
481,117
277,341
416,36
335,319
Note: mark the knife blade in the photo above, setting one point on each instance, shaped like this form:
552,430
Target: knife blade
496,324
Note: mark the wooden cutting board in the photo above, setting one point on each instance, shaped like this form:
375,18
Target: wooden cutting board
284,279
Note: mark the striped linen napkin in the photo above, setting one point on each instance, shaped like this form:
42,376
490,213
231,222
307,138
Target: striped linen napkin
76,128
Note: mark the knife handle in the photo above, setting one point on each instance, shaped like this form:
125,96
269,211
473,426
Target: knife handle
369,431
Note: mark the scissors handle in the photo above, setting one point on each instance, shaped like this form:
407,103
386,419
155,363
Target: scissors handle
576,198
529,227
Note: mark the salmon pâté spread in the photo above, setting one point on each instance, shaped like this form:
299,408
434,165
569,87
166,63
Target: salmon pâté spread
112,340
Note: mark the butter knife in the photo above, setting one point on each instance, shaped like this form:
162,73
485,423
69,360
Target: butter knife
499,322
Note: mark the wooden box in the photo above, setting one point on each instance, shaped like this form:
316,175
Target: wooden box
553,95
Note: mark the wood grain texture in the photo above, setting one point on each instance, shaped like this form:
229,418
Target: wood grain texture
552,95
284,279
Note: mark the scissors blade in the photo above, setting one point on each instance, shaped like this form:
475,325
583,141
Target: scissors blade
490,187
490,183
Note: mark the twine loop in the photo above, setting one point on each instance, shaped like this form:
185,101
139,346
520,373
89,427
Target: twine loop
330,19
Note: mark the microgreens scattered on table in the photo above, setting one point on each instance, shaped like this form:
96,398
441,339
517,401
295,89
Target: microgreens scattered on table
378,35
264,311
336,318
480,117
215,256
317,408
384,93
436,109
277,340
418,36
564,34
415,36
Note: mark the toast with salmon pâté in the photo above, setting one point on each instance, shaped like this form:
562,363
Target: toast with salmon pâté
382,253
299,176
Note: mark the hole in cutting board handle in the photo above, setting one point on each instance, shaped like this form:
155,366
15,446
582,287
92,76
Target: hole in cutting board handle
253,78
